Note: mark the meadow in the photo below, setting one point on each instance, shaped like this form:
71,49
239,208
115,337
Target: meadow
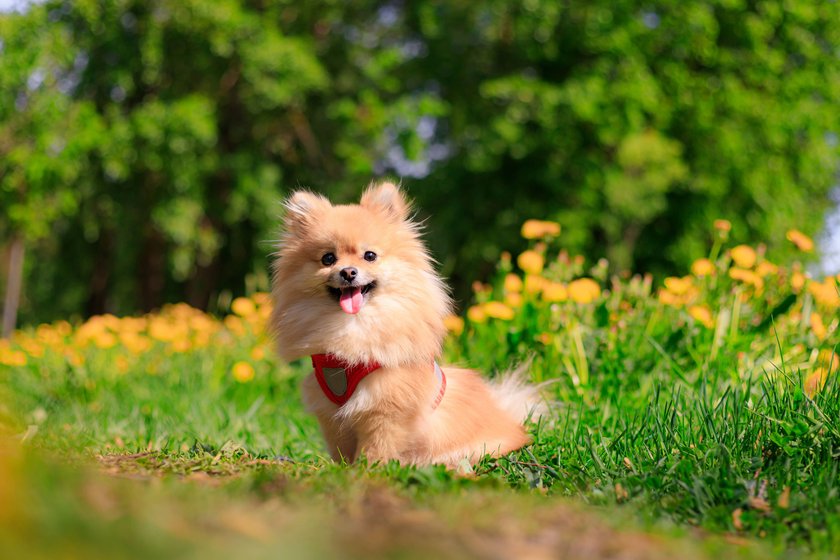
698,416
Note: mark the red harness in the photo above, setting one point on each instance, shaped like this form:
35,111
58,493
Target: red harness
338,379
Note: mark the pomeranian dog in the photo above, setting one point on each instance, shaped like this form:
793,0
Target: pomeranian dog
354,288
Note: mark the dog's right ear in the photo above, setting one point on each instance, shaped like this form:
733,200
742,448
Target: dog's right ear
300,208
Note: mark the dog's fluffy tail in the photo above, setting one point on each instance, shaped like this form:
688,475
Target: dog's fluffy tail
519,398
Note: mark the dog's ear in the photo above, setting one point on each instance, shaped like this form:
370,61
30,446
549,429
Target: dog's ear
386,197
300,207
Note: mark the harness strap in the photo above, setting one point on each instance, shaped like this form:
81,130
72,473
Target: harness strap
338,379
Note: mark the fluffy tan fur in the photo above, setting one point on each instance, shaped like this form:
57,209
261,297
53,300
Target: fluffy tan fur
400,326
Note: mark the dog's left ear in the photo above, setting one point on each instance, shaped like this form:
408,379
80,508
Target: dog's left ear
386,197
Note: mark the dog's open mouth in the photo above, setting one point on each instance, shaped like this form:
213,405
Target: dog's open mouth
352,298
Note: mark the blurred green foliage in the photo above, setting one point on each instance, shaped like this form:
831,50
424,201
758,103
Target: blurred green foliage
144,146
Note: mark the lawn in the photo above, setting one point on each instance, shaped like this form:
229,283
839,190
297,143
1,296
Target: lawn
697,418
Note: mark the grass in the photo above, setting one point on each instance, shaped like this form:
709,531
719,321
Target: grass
672,431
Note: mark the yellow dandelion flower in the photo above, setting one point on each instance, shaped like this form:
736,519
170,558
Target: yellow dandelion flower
766,268
531,262
817,326
63,328
48,335
132,324
513,283
476,314
802,241
678,286
181,345
829,359
744,256
498,310
105,340
513,299
203,324
723,225
135,343
536,229
261,298
815,382
257,353
32,347
555,291
243,307
583,290
162,330
825,292
454,324
235,325
534,284
669,298
243,372
746,276
702,314
703,267
14,358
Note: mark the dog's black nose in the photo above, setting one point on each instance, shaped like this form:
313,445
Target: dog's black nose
349,273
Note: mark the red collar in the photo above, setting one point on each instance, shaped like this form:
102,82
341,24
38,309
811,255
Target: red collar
338,379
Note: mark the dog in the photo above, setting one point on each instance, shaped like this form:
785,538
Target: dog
354,288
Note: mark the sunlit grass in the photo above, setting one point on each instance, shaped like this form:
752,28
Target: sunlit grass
708,400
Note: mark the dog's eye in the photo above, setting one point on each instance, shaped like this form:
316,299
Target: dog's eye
370,256
328,259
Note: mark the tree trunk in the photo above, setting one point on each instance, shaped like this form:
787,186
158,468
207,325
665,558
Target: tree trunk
14,282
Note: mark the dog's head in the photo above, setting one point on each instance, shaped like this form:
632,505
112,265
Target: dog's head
355,280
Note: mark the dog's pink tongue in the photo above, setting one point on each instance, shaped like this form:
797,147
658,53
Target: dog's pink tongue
351,300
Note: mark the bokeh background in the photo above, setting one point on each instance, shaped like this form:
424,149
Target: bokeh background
145,146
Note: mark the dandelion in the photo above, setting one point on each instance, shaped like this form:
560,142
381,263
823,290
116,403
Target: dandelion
536,229
669,298
723,226
454,324
235,325
702,314
766,268
531,262
802,241
257,353
825,292
815,381
243,307
584,290
534,284
14,358
513,299
817,326
830,359
554,292
703,267
498,310
105,340
744,256
181,345
476,314
678,286
243,372
747,276
135,343
513,283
